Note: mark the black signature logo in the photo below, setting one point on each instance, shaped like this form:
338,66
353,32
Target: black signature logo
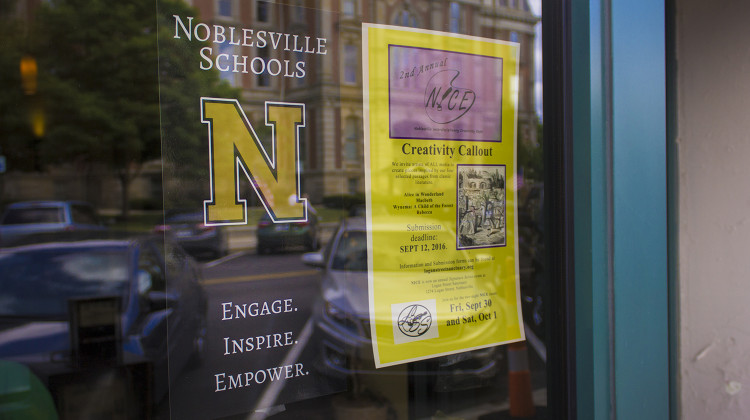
444,102
414,320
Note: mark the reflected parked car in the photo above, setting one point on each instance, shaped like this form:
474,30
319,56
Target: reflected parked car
29,217
188,229
277,236
342,318
158,285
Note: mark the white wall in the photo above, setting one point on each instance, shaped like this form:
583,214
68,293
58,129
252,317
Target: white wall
713,77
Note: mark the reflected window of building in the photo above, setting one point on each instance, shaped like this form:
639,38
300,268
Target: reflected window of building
298,12
262,11
513,36
351,139
454,24
224,8
348,9
405,18
351,63
263,79
299,57
353,182
226,62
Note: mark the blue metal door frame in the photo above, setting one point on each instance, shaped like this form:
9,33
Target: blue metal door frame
619,119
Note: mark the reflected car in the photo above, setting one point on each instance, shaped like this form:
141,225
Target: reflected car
272,236
188,229
30,217
157,283
342,319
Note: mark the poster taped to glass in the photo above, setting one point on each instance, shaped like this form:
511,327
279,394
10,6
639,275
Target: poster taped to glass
440,141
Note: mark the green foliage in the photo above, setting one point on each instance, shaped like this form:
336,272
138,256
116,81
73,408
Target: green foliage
182,83
16,140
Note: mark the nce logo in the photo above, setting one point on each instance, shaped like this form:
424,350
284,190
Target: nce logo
234,146
445,102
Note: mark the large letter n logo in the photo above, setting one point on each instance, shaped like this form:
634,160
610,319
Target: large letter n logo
234,146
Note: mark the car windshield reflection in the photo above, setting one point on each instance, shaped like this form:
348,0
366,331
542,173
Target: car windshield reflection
37,282
351,253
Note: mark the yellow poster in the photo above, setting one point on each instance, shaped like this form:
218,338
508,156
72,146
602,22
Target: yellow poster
440,142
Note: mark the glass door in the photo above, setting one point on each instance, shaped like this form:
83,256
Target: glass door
292,209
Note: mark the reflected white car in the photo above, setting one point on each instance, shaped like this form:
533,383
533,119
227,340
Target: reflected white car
342,319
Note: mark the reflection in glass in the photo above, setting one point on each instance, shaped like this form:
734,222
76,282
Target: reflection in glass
88,120
351,253
351,63
37,282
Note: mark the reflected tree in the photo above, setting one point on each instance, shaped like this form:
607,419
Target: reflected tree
97,99
98,83
182,84
17,142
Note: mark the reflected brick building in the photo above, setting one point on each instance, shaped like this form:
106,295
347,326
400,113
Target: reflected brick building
333,147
